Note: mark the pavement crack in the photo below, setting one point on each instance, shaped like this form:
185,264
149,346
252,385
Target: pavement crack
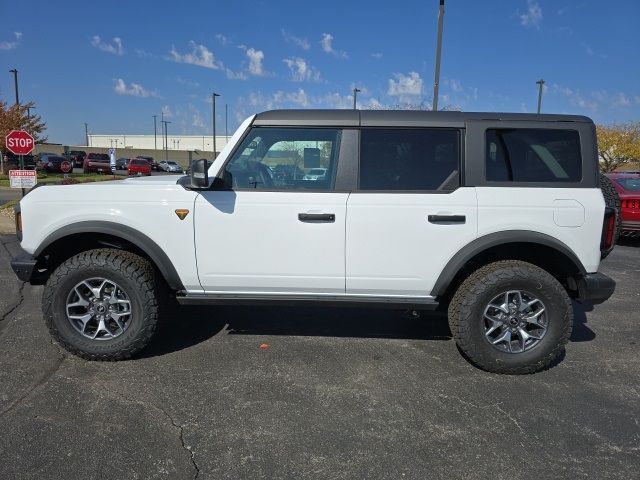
186,447
13,308
44,378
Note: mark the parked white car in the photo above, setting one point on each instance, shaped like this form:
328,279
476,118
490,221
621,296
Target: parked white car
495,218
170,166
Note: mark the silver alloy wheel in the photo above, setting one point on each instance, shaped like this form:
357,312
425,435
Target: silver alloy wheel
515,321
99,309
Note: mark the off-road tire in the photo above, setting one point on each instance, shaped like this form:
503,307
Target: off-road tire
133,273
611,199
476,291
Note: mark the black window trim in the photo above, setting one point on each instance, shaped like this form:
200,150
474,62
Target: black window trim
550,184
461,159
474,168
339,160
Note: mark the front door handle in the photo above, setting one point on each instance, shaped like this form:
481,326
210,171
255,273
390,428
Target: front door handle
317,217
447,219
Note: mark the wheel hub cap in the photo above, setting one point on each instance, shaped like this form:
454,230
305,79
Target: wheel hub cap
99,309
515,321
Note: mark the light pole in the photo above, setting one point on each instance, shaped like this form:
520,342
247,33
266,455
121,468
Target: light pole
162,128
15,81
213,99
355,95
436,81
540,84
166,141
29,111
86,134
155,133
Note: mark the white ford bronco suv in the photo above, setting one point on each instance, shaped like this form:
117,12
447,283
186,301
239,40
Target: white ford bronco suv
498,218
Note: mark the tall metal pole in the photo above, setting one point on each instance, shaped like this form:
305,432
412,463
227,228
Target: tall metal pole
15,81
166,140
155,133
162,128
436,81
355,95
213,99
540,85
86,133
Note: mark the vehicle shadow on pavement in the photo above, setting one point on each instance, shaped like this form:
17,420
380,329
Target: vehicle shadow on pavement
194,325
581,332
629,241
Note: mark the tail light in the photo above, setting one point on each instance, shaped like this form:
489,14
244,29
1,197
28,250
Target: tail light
608,229
632,204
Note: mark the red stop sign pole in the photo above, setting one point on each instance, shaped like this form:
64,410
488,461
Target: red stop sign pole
19,143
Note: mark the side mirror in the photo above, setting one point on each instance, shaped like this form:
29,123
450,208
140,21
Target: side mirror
200,174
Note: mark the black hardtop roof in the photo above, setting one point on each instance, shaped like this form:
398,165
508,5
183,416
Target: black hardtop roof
356,118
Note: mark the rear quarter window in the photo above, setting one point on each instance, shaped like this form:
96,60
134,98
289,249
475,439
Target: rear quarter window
533,155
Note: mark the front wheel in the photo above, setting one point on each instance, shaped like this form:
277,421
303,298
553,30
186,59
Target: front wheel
102,304
511,317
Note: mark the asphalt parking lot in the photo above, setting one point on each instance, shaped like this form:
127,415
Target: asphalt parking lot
338,393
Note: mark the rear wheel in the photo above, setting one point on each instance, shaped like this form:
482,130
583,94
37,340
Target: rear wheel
511,317
102,304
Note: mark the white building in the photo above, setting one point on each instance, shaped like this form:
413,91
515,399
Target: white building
201,143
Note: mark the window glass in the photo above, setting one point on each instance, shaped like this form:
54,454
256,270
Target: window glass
533,155
409,159
285,159
631,184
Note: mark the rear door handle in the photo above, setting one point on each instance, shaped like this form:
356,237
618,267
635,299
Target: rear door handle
317,217
447,219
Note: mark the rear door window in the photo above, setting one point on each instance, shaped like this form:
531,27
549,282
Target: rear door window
533,155
416,159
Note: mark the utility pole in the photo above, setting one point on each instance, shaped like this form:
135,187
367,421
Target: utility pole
166,141
29,112
86,133
162,128
355,95
15,81
436,81
155,133
540,84
213,99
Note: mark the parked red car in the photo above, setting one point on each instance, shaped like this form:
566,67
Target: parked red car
138,166
628,187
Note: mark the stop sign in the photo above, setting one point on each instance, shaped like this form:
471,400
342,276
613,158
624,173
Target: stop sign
19,142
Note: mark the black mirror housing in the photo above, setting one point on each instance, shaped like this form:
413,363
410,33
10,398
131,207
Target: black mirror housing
200,174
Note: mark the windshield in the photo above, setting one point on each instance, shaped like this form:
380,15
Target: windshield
631,184
316,171
172,163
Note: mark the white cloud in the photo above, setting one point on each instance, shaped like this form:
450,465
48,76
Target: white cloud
115,47
455,85
11,44
620,100
133,90
576,99
188,83
405,87
231,75
637,99
327,46
300,70
533,16
303,43
224,41
167,111
255,62
199,55
197,120
376,55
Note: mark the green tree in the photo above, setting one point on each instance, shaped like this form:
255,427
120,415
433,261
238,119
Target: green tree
15,117
618,145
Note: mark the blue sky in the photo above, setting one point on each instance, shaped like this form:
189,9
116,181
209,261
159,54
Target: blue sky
115,64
